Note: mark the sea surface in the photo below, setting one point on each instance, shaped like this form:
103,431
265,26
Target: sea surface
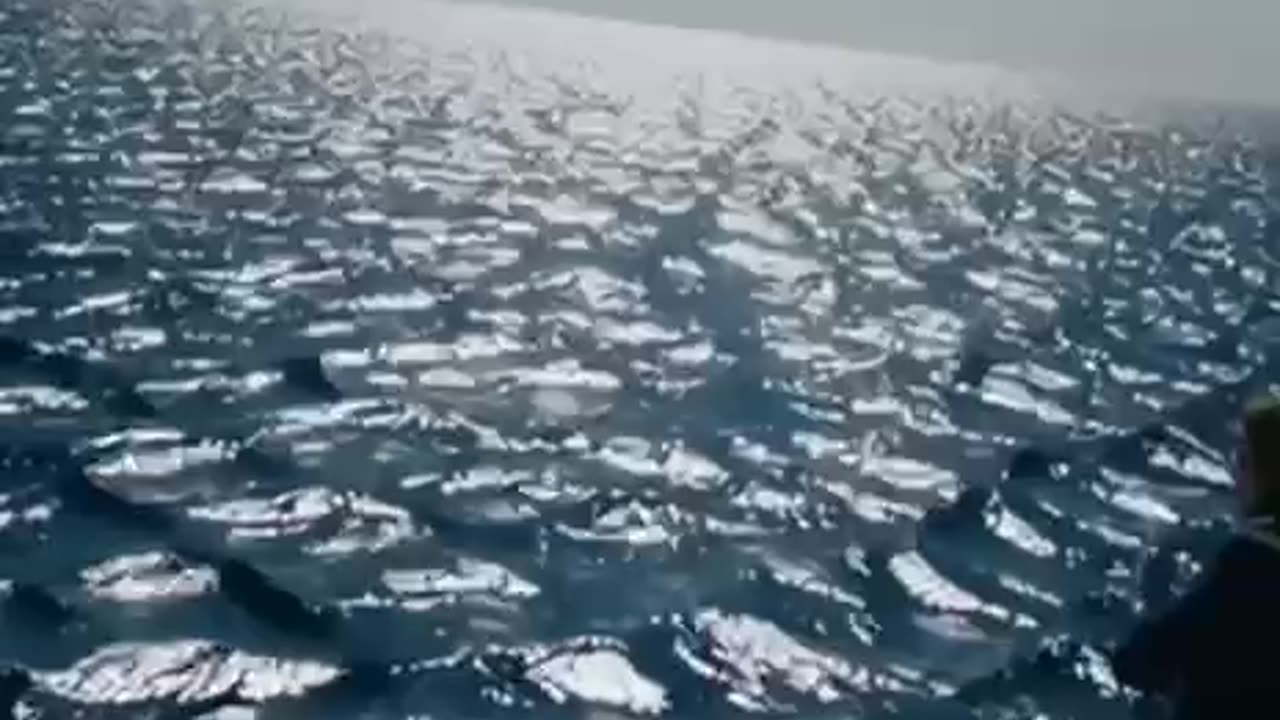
500,365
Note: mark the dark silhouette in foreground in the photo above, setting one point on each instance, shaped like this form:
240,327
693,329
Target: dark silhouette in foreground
1205,655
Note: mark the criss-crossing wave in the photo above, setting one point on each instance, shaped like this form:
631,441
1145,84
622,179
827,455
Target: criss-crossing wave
344,374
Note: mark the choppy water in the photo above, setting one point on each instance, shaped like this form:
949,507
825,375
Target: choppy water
344,377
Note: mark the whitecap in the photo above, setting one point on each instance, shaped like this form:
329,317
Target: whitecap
602,677
182,671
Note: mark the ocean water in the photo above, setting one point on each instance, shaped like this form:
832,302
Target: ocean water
496,365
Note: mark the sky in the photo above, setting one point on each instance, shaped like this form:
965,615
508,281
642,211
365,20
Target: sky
1220,48
1196,49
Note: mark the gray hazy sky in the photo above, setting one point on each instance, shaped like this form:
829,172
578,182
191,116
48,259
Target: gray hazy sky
1221,48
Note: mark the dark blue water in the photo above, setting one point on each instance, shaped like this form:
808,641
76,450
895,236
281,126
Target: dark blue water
335,382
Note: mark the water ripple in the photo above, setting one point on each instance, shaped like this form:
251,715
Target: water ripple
429,370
